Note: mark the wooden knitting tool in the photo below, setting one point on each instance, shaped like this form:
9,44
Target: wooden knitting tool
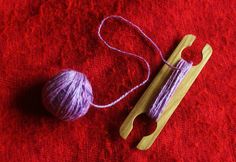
147,98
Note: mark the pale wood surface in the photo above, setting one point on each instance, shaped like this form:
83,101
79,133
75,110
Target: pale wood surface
149,95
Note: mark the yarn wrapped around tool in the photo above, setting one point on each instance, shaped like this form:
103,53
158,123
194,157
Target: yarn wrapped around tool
69,95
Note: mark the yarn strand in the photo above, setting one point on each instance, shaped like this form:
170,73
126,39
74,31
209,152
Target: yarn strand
69,94
131,54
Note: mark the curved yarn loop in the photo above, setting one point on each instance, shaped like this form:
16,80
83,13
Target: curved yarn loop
69,94
131,54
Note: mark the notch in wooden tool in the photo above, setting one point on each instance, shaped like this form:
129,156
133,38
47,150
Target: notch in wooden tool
145,101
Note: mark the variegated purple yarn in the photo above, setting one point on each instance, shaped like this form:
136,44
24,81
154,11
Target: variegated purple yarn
68,95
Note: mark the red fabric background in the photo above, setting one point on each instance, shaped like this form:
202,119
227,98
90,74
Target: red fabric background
39,38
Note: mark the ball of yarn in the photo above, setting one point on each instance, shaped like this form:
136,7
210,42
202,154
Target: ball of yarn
68,95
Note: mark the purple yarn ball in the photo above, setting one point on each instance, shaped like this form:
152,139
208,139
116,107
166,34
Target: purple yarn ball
68,95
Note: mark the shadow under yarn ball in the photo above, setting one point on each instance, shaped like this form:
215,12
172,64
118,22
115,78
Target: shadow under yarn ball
68,95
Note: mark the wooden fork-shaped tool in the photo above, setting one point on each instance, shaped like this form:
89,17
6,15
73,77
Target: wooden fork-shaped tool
146,100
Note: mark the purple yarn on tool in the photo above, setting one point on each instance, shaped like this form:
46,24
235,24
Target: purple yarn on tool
169,88
68,95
